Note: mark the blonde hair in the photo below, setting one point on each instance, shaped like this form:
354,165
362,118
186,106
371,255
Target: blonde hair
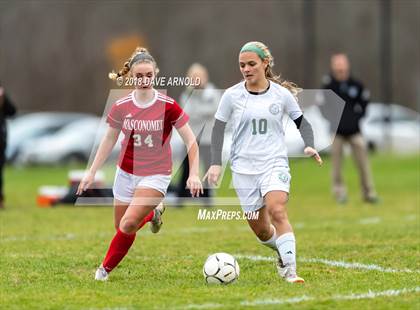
140,55
269,73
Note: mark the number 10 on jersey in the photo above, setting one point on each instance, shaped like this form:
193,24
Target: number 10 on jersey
259,126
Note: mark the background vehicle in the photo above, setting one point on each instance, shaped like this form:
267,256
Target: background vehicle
73,142
27,127
394,128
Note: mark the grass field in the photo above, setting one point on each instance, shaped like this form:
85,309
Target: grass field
356,256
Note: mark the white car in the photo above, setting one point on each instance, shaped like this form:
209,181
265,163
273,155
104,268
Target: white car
391,128
27,127
73,142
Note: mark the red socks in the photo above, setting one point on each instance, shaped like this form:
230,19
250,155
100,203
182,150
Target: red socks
148,218
120,245
118,248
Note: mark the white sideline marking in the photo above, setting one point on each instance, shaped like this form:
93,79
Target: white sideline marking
67,236
71,236
14,255
299,299
341,264
370,220
368,295
410,217
292,300
255,257
194,230
354,265
299,225
202,306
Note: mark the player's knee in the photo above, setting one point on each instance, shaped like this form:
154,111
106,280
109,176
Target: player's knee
128,225
279,215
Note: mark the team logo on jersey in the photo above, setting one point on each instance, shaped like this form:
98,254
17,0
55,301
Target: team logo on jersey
274,109
283,177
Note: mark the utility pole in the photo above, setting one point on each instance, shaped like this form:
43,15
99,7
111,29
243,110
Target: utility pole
309,45
386,66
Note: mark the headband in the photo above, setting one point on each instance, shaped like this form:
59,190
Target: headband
140,57
251,47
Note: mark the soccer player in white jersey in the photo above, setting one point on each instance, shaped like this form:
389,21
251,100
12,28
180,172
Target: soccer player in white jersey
146,118
259,160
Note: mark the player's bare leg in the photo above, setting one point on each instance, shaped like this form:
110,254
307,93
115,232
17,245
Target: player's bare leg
263,229
145,200
275,202
119,210
143,203
154,217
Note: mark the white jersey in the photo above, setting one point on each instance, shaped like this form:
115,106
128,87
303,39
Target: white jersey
258,137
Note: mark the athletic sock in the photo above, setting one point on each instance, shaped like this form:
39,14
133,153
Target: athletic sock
148,218
118,248
271,243
286,245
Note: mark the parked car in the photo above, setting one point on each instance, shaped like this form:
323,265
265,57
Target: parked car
34,125
391,127
74,142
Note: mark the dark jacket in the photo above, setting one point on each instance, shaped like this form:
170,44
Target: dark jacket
356,99
7,109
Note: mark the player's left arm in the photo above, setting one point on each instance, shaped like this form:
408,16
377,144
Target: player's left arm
193,182
305,128
307,134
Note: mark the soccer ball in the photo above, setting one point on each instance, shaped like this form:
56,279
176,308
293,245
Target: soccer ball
220,268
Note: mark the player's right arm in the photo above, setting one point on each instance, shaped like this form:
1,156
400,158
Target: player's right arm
223,114
217,139
105,148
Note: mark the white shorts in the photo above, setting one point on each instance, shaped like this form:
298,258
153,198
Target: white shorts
126,183
251,188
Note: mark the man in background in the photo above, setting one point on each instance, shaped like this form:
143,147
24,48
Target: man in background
7,109
200,103
356,99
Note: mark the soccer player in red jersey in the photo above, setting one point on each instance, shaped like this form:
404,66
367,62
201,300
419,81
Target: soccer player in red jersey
146,118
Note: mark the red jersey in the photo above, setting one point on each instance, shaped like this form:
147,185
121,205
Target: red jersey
147,130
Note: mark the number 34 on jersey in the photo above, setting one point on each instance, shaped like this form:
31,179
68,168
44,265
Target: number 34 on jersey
139,142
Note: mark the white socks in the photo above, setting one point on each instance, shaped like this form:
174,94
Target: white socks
271,243
286,246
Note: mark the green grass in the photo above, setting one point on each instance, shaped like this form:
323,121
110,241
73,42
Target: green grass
48,256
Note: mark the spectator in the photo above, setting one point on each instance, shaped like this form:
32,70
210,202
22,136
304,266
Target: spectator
356,98
200,103
7,109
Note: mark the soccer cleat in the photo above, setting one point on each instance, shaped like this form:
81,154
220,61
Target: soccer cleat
342,200
101,274
288,273
372,200
156,222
